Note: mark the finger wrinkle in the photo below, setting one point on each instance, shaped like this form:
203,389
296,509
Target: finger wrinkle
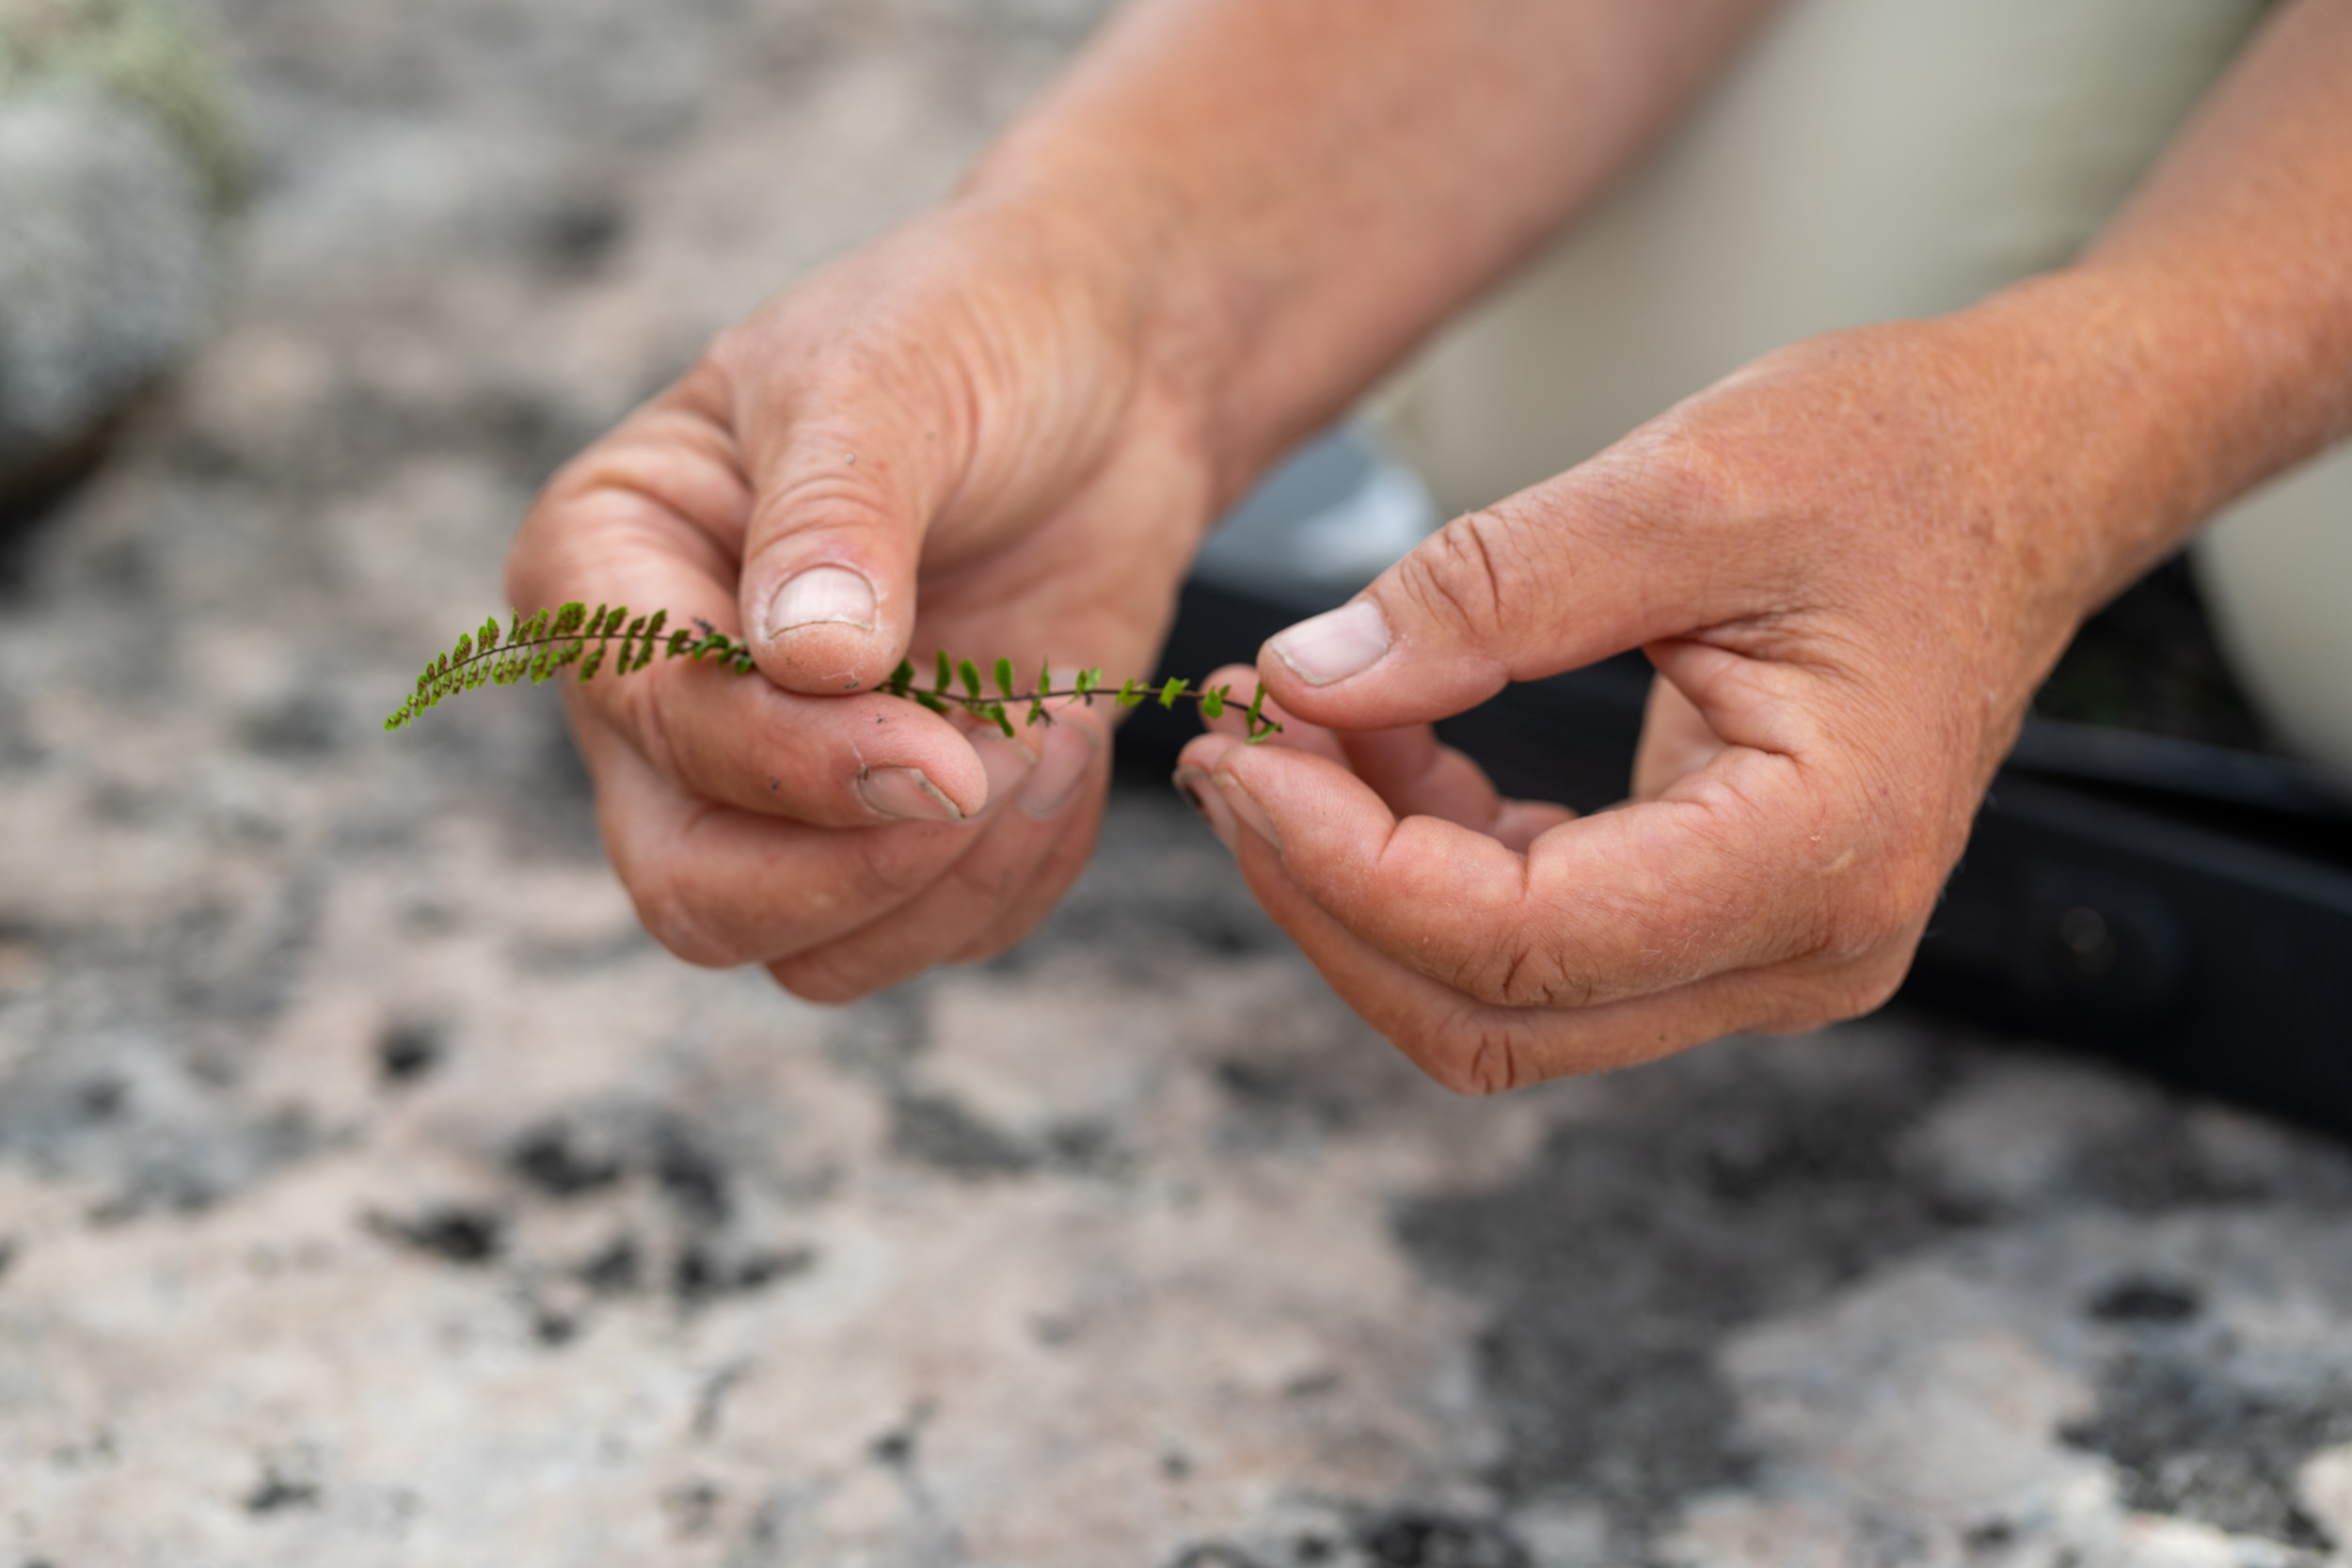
1445,585
643,711
1493,1065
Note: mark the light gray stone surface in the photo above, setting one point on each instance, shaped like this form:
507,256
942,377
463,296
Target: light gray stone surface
374,1193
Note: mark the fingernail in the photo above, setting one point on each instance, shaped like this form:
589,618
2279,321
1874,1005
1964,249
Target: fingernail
1335,644
820,595
1247,809
905,795
1067,756
1194,786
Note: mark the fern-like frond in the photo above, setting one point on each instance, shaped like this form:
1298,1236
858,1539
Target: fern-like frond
537,648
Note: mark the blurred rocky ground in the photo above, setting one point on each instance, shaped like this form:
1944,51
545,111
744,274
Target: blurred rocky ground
372,1193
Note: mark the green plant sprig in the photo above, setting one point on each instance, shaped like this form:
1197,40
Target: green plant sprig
538,647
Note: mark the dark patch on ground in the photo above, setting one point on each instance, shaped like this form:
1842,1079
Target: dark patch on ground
942,1134
1720,1191
572,1159
1416,1540
616,1271
576,236
939,1131
701,1275
1317,1089
554,1159
2187,1441
277,1492
408,1052
468,1237
1389,1538
102,1099
690,1177
2161,1303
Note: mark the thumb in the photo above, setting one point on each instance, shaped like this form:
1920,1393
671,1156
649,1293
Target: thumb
1547,581
830,552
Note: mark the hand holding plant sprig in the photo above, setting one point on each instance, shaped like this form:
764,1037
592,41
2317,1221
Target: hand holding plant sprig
957,438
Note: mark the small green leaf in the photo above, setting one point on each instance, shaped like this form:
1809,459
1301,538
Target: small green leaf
1212,703
946,674
997,711
589,666
900,678
1004,677
646,643
971,675
1128,695
569,618
929,699
1089,680
1173,689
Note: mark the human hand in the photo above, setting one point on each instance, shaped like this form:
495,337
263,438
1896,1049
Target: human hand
954,439
1852,564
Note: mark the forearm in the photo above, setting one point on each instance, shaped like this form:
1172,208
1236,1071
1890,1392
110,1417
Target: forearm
1310,186
2204,342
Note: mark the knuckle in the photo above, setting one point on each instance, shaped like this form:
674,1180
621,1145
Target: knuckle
1488,1058
1462,577
1521,971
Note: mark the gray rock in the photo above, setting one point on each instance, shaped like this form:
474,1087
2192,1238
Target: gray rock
104,267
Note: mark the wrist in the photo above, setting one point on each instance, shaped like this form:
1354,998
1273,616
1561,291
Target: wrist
2121,414
2161,393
